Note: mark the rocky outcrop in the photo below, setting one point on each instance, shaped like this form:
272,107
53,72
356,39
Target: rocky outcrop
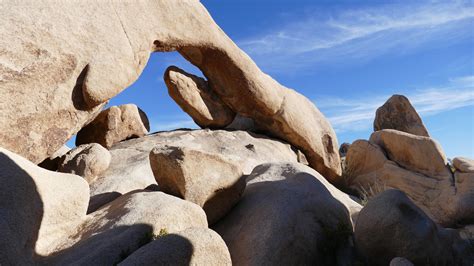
113,125
391,225
75,68
195,97
87,160
288,215
209,180
398,113
446,199
37,207
194,246
130,165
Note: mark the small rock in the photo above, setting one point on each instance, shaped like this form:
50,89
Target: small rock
398,113
87,160
209,180
113,125
194,246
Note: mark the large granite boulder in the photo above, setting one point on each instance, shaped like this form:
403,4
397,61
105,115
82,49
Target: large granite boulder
209,180
194,246
398,113
391,225
195,97
289,215
463,164
63,70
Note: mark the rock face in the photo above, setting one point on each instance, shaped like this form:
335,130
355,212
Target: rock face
208,180
87,160
130,166
194,96
446,199
114,125
75,68
194,246
391,225
37,207
398,113
288,215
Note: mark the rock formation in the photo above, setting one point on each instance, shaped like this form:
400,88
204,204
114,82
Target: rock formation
209,180
130,198
130,165
398,113
75,65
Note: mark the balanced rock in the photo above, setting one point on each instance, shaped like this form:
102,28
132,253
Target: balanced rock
87,160
37,208
194,246
64,71
463,164
391,225
419,154
130,167
113,125
445,199
209,180
398,113
288,215
196,98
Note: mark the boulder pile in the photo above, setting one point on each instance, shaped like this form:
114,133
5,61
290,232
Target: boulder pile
262,183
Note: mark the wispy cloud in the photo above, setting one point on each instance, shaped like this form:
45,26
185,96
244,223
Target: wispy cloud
359,34
355,115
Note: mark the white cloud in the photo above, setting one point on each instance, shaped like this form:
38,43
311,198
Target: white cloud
360,34
355,115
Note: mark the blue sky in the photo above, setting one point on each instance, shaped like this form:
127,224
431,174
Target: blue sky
348,57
